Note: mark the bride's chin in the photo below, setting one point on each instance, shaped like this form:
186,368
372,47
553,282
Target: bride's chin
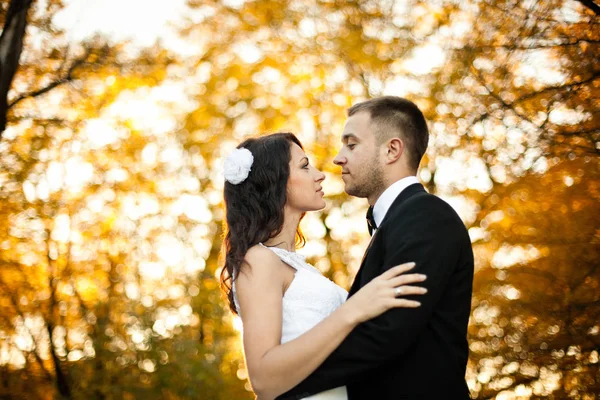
316,207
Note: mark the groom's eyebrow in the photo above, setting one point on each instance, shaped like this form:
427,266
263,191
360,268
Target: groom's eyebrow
347,136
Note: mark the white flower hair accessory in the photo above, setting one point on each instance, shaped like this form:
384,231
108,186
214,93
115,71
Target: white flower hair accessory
237,165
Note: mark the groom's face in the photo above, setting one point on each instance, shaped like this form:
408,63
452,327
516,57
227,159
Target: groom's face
359,157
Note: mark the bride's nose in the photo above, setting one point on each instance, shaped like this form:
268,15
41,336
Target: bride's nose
320,176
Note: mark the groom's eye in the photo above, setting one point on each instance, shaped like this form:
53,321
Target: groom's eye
351,145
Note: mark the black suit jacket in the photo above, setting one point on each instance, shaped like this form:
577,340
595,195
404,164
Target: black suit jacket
409,353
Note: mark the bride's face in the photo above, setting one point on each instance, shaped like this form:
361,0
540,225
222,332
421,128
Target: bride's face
304,190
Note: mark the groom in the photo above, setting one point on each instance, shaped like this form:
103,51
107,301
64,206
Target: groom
405,353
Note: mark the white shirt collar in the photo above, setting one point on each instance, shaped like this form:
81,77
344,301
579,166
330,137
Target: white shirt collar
386,199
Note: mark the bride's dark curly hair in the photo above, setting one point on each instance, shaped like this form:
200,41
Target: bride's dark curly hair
254,208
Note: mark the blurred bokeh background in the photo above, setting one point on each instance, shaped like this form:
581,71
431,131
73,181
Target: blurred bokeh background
119,116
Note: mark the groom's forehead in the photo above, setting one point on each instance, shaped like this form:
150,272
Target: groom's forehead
357,123
356,131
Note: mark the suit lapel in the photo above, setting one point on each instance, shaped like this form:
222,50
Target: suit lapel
373,238
403,196
356,283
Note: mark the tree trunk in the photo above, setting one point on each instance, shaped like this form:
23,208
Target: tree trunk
11,45
62,385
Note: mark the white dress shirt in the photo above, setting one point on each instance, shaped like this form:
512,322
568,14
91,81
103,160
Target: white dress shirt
384,202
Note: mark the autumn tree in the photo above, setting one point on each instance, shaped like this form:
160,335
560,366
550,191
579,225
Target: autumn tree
518,105
62,305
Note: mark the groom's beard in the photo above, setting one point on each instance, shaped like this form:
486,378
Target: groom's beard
368,182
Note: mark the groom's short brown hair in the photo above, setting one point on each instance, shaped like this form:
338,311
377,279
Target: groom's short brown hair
393,116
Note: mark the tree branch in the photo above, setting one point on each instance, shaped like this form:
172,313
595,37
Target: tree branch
567,87
67,78
533,46
591,5
34,339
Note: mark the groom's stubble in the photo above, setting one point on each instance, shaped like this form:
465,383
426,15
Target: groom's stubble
367,179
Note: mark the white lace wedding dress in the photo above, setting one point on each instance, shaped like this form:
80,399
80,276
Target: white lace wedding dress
308,300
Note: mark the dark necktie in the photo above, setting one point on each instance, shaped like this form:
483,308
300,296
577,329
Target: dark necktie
371,221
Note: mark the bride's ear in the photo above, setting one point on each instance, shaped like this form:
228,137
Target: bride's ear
394,150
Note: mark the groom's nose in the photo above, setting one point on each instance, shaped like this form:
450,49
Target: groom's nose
339,160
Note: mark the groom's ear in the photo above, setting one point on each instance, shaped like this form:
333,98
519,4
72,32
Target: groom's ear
395,149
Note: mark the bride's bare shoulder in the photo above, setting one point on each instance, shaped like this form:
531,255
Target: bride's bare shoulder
258,257
261,265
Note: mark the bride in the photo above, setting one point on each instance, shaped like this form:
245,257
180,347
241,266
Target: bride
293,317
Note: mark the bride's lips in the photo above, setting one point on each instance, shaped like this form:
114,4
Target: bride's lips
320,190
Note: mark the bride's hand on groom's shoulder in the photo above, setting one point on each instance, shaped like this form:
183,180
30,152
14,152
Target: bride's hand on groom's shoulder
382,293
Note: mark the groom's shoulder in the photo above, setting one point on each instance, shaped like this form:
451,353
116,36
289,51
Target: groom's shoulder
431,205
424,199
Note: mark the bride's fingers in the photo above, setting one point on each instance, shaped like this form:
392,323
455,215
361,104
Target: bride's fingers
405,303
406,279
409,290
397,270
